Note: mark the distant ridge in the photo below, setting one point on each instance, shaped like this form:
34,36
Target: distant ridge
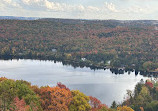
17,18
85,21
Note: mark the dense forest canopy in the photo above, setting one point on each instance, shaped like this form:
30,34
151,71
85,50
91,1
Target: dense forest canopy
129,44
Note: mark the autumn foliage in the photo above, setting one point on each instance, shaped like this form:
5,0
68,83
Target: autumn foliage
124,108
96,104
19,95
131,44
55,98
149,84
19,105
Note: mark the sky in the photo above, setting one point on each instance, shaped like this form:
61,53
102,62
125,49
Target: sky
82,9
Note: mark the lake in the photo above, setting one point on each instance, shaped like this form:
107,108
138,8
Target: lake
101,84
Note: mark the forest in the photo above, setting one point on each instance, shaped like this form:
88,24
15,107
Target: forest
144,97
20,95
92,43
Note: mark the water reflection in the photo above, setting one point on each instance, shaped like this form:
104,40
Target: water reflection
100,83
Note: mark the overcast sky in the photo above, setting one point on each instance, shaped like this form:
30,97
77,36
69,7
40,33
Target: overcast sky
81,9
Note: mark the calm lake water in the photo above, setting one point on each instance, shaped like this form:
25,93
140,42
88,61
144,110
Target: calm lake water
102,84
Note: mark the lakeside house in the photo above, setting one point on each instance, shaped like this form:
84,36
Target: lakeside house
141,81
54,50
83,59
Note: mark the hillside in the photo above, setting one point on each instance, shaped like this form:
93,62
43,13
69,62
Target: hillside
129,44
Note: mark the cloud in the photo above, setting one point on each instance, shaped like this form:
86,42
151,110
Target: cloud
111,7
81,8
127,9
137,10
36,4
10,3
55,6
50,6
7,1
47,5
2,6
29,2
91,8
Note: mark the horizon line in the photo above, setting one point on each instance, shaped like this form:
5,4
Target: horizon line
80,18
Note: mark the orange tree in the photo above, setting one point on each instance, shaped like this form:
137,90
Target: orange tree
55,98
